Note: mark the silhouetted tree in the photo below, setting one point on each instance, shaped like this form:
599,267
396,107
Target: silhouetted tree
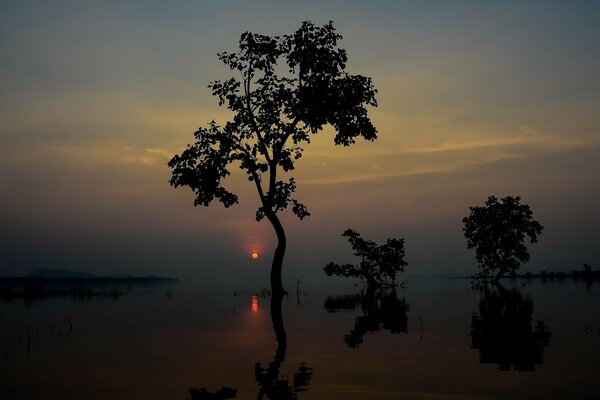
275,110
497,232
379,265
381,309
504,333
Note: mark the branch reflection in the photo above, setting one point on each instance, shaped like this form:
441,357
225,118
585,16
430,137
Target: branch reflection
381,310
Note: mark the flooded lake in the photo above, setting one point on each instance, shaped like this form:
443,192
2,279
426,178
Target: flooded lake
434,339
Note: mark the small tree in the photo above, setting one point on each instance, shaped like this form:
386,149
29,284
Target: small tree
497,232
273,105
379,264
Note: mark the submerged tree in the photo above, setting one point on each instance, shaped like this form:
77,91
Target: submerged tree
379,265
497,232
288,87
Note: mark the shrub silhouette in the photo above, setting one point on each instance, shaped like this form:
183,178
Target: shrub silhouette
379,265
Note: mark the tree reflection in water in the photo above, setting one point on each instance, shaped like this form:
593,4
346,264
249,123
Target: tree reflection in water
270,382
272,385
503,332
381,310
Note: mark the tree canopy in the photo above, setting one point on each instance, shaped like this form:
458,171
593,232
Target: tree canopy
498,232
287,88
379,265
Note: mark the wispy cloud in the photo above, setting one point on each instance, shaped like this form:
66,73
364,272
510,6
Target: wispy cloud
369,177
378,162
115,154
530,137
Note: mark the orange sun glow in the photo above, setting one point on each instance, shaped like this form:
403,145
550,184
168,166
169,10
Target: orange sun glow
254,255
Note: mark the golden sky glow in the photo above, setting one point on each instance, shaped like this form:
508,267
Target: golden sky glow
500,99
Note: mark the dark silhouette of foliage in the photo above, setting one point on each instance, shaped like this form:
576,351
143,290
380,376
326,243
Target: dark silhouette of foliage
379,265
286,88
381,309
503,331
497,232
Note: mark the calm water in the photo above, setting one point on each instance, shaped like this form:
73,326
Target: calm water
437,338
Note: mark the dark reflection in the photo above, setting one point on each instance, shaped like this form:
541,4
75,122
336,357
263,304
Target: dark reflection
35,294
272,384
222,394
31,290
504,333
381,310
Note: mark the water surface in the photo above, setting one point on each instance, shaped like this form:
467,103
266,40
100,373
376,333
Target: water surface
436,338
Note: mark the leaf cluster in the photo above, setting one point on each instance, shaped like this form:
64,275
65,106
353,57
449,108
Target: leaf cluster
284,89
497,232
379,265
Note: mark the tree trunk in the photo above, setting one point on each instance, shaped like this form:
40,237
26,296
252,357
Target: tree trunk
496,278
276,267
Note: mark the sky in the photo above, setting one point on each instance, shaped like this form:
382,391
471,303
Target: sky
475,99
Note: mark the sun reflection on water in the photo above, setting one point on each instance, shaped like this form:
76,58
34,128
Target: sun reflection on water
254,304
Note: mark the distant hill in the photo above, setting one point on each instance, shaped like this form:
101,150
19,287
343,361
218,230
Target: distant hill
59,273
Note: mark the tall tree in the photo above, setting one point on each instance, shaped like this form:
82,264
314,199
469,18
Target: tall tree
497,231
287,88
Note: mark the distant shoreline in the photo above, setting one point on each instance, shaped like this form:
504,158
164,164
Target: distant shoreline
559,275
546,276
37,288
19,280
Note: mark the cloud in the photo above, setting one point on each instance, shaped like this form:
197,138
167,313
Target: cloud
114,154
530,137
375,162
369,177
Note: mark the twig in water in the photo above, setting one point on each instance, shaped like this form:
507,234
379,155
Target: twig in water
421,320
298,281
70,328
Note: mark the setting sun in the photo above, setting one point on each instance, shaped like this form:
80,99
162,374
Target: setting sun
254,255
